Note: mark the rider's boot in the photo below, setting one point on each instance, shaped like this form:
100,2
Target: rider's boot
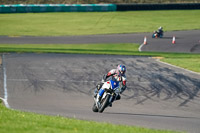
118,97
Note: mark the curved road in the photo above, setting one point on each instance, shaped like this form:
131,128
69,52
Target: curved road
158,96
186,41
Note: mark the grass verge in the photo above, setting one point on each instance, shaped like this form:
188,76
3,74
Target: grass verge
85,23
12,121
187,61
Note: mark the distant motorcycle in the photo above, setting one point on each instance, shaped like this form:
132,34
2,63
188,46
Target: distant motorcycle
112,90
157,34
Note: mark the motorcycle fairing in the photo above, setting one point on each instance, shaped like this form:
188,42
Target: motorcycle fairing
114,84
106,85
101,91
110,84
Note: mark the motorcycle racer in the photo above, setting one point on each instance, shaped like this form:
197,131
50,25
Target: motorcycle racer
160,31
116,75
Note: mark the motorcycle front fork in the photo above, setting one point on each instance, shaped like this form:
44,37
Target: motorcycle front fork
98,87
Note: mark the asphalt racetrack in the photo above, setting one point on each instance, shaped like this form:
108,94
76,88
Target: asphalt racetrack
158,96
186,41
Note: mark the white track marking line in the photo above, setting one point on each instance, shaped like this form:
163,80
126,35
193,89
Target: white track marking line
140,48
1,64
5,99
177,67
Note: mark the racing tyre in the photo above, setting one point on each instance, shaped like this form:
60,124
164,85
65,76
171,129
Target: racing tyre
94,108
104,103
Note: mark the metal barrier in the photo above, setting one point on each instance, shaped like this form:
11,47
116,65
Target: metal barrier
22,8
134,7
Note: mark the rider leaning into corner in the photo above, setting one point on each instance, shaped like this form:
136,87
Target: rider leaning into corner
117,75
160,30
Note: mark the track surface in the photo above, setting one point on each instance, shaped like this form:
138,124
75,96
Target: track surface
186,41
158,96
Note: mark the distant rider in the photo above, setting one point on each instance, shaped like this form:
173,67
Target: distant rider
160,31
117,75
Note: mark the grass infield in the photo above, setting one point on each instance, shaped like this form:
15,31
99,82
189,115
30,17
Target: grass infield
187,61
12,121
81,23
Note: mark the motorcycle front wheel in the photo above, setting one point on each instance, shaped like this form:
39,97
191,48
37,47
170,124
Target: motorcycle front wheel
94,108
104,103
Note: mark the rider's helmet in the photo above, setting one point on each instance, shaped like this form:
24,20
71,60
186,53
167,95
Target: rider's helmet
160,28
121,69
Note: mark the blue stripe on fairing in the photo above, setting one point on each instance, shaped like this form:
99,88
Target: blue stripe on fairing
114,84
101,91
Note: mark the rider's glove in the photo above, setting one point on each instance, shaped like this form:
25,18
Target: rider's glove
102,81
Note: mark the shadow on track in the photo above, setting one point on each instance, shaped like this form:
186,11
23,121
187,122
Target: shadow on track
147,80
163,83
149,115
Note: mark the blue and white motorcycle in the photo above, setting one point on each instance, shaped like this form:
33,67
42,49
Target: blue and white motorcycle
109,91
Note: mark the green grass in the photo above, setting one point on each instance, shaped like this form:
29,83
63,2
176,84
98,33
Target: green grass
188,61
12,121
192,63
122,49
62,24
